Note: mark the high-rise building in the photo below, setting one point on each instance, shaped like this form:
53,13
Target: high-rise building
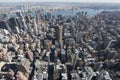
38,16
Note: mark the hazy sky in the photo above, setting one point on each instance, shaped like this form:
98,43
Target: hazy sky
61,1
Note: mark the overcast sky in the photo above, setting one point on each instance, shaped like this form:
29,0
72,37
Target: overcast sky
116,1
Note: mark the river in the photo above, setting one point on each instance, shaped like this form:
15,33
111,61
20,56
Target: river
90,12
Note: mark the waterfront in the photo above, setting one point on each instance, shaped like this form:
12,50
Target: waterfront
90,12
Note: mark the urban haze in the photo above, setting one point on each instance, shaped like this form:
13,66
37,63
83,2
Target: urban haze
59,40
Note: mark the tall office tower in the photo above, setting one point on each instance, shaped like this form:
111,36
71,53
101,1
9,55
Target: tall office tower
79,36
8,26
27,18
47,47
75,57
4,25
73,29
49,16
28,22
35,27
14,25
19,14
30,27
38,17
21,20
24,23
19,23
59,32
22,8
50,72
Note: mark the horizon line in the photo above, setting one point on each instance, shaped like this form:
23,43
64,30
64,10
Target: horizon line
57,2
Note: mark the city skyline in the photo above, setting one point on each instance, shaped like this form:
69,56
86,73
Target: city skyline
101,1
